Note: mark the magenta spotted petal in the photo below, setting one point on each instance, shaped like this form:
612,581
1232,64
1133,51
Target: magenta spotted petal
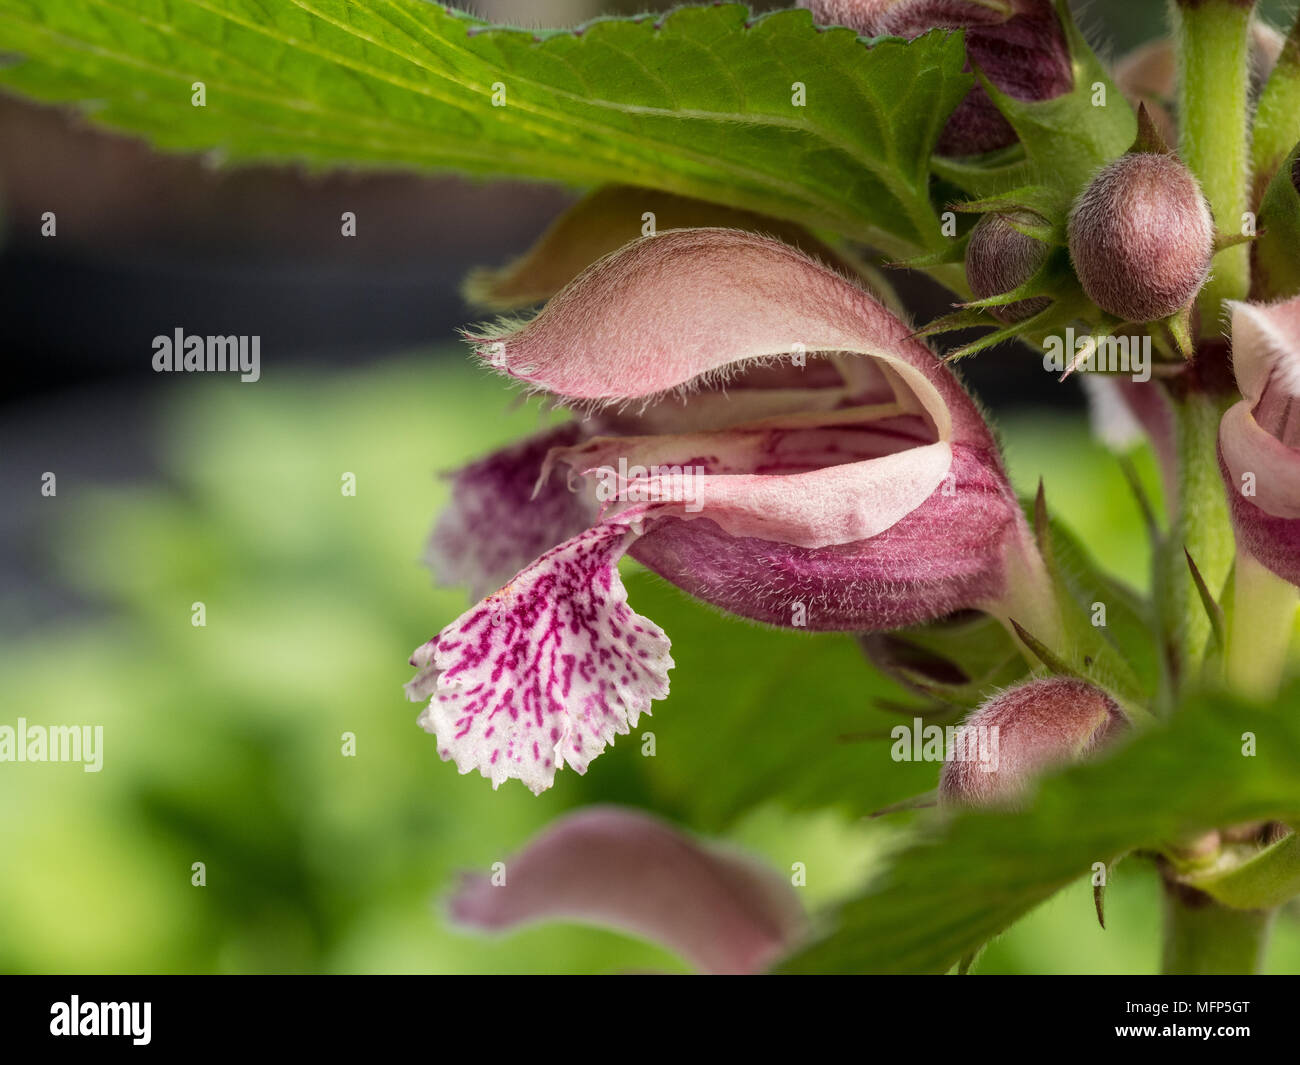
545,672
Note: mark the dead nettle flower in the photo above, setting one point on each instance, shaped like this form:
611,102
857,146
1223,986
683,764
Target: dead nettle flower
1259,437
717,908
1000,258
867,496
1018,45
1141,237
1038,724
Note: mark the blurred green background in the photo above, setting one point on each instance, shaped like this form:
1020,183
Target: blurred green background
223,743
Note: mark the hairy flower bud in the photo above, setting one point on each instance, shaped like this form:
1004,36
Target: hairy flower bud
1027,729
1141,237
1000,258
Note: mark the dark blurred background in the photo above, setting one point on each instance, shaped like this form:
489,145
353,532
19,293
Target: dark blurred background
171,238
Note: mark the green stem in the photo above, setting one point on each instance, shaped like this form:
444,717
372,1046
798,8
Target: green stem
1260,626
1214,54
1202,937
1202,526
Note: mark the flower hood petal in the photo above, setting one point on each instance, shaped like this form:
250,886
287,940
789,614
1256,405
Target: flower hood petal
666,312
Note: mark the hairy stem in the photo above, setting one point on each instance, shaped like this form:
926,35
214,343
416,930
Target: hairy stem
1202,527
1214,58
1260,627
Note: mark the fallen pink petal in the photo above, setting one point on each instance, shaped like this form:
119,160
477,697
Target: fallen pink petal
719,909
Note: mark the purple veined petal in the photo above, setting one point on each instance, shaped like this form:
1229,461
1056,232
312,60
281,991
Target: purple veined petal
718,909
955,551
807,480
694,305
816,521
500,517
754,392
545,672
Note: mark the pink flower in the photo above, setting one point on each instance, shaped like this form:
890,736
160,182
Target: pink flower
619,869
1259,438
1017,44
872,498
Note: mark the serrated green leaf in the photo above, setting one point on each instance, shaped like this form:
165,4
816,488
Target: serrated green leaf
762,715
980,871
1064,139
1130,635
700,103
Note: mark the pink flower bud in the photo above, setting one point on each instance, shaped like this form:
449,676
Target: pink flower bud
1017,44
1030,728
1259,438
1141,237
1000,258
